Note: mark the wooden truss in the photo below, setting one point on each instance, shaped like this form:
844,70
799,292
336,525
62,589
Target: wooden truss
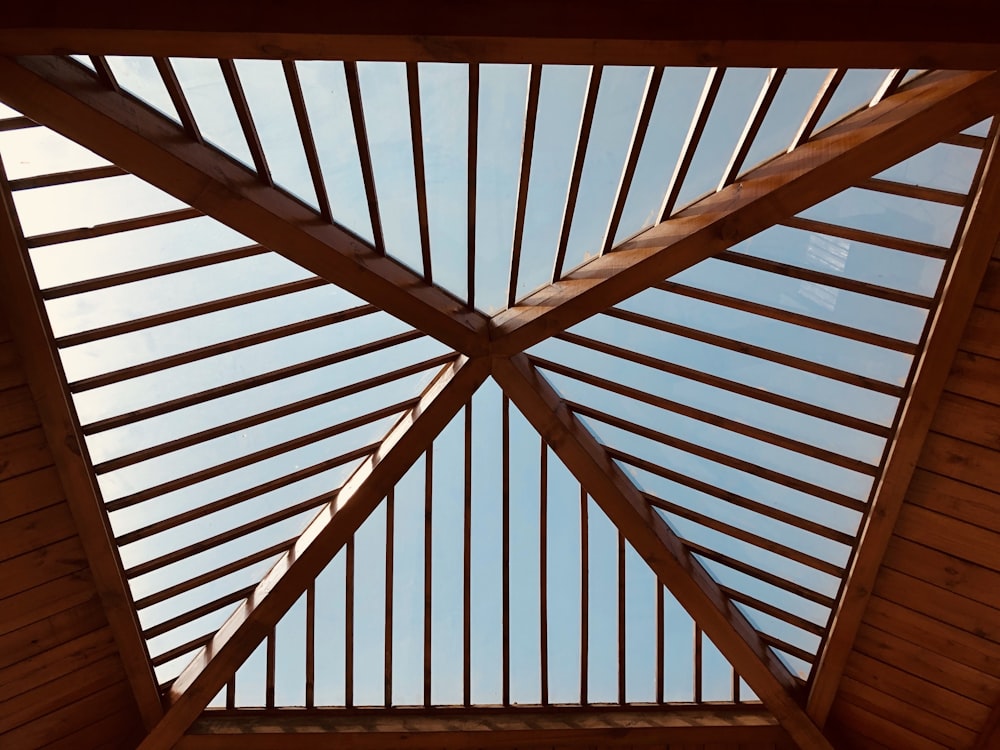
61,95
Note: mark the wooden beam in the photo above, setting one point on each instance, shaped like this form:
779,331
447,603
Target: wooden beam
989,737
849,33
65,97
861,145
978,240
295,571
649,534
484,728
33,335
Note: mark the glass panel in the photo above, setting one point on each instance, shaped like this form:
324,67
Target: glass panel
324,89
560,108
795,95
856,90
941,166
618,102
444,109
30,152
676,100
270,104
212,106
894,215
139,77
733,107
502,103
387,120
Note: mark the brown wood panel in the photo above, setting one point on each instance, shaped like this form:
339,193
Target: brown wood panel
976,376
30,492
47,599
23,452
118,729
980,335
933,667
911,716
48,666
989,292
11,372
17,410
36,530
975,544
41,565
953,498
59,628
882,729
931,698
942,570
962,460
968,419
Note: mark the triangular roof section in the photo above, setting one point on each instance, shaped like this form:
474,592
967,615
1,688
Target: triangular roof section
764,303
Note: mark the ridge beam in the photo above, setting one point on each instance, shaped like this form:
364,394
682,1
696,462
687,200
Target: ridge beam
65,96
336,523
929,109
675,567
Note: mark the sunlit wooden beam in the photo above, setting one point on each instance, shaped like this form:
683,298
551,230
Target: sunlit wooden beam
64,96
978,240
850,33
649,534
933,107
481,727
33,335
294,571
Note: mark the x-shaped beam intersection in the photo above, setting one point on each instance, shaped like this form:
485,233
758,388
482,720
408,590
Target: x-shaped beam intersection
60,95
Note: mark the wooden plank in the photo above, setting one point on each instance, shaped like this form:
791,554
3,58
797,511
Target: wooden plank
968,419
66,448
30,492
40,636
46,599
947,572
36,530
978,545
11,370
975,244
117,729
155,149
482,728
854,148
55,662
989,292
980,335
961,460
904,714
891,34
23,452
934,699
953,498
884,730
963,646
17,410
990,736
38,566
975,376
657,544
331,529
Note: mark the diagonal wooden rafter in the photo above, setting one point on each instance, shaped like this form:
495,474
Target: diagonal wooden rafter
282,586
854,33
686,578
933,107
34,337
979,238
67,98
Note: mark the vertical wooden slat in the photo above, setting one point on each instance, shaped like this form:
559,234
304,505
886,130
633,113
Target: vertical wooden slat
697,663
621,618
505,542
473,160
349,623
543,577
660,625
231,692
364,151
390,536
239,98
180,102
467,565
428,572
698,122
269,684
584,594
104,73
527,148
417,144
306,135
823,97
761,107
311,646
582,140
736,685
648,102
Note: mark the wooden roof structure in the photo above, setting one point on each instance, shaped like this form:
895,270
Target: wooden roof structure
288,440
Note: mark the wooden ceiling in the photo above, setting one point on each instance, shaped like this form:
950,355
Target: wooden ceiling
910,658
